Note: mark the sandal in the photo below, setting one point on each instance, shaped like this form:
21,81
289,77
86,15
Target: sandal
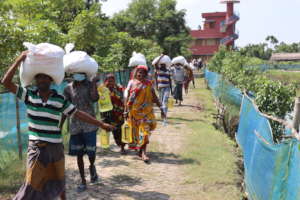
81,188
146,159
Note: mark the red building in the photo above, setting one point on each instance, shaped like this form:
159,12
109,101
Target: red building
218,29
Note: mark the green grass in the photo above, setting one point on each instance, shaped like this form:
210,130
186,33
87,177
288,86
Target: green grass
214,153
285,77
12,172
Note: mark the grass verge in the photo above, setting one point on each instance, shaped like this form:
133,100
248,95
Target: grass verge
214,153
12,172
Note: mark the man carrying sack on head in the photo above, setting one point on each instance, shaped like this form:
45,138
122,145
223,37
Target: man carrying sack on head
45,174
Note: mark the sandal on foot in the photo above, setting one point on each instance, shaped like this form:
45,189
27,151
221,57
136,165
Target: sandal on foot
81,188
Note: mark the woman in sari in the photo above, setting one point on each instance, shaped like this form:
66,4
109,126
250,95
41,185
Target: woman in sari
139,110
115,116
188,77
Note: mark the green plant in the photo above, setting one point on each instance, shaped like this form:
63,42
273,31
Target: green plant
272,97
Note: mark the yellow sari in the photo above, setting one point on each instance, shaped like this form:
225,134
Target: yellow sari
141,113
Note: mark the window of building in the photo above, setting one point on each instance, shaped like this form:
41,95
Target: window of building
212,25
211,42
199,42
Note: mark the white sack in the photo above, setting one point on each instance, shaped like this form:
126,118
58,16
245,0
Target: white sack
43,58
180,59
137,59
79,62
164,60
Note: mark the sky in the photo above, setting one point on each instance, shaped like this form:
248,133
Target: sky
258,18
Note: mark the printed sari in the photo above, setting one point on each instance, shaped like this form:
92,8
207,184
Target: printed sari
141,113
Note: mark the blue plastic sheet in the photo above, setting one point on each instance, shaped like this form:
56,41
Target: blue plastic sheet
222,89
271,170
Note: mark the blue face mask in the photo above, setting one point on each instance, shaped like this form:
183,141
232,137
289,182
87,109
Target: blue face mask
79,77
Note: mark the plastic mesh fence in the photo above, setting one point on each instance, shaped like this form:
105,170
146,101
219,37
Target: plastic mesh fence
271,170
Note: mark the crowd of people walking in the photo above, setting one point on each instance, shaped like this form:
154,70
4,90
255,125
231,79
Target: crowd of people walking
129,107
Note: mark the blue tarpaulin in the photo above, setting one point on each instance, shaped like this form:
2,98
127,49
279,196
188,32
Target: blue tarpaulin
271,170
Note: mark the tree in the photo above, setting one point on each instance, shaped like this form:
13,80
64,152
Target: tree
121,50
257,50
91,32
157,20
272,39
287,48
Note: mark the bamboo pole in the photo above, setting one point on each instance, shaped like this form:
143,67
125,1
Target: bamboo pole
19,139
296,120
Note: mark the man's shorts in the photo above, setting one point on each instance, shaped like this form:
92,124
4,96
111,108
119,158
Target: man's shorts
83,143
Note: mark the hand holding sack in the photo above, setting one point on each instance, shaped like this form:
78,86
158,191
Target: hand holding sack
79,62
43,58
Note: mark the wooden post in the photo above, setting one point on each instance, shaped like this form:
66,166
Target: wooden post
19,139
296,120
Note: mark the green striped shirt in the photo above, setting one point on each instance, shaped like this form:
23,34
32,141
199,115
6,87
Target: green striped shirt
45,117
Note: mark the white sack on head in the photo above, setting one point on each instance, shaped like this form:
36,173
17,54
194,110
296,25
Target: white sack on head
137,59
79,62
180,59
164,60
43,58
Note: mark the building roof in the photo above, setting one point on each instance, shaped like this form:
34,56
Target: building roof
214,14
230,1
285,56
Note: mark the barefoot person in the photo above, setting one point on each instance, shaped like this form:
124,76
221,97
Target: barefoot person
45,177
115,116
83,94
139,107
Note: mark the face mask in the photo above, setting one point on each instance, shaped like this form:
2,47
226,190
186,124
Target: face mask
79,77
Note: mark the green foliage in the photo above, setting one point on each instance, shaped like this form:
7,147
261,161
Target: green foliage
157,20
287,48
91,32
272,39
275,99
272,97
257,50
147,26
121,51
264,50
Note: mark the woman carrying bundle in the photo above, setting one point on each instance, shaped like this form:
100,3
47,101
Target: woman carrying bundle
139,109
188,77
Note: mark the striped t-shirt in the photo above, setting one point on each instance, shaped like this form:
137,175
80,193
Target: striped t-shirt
45,117
163,78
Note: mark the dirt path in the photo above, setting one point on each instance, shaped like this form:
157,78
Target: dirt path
128,178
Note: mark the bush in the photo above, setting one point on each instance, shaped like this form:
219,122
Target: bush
271,97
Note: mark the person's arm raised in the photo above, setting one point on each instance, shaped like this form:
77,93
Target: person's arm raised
8,77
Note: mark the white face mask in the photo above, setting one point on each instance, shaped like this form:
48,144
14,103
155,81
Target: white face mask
79,77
